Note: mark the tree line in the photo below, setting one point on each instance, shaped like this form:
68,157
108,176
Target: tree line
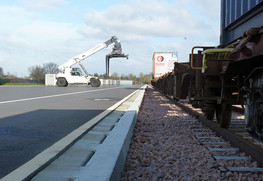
37,73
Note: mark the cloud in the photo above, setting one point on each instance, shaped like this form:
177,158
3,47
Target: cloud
27,40
143,19
43,4
151,26
12,17
3,57
89,31
144,27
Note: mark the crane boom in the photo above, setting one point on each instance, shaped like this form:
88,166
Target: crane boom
88,53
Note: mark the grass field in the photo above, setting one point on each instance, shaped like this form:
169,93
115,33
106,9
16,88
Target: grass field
14,84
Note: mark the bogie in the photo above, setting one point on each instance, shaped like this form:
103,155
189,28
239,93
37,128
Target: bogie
216,78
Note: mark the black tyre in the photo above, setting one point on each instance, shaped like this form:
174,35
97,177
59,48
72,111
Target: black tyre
99,83
95,82
62,82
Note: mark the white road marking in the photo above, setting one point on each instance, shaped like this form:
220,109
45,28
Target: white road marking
101,99
49,154
57,95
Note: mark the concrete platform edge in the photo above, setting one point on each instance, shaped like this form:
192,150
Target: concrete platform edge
108,161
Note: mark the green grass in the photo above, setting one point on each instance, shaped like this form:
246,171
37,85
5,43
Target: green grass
22,84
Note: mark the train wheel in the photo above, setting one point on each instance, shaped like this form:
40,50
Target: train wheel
223,114
209,109
224,109
249,114
254,115
210,115
259,118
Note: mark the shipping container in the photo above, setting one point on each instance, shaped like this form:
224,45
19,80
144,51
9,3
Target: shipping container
163,62
238,16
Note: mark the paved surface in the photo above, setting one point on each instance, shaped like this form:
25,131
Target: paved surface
98,155
36,117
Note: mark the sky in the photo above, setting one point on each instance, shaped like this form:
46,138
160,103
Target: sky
34,32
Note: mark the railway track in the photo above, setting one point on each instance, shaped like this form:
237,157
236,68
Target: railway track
233,148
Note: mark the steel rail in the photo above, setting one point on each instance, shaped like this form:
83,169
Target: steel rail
249,148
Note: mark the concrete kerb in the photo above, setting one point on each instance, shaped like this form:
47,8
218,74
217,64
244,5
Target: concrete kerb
29,169
109,158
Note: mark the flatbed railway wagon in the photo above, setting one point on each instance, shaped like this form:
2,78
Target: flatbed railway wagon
218,77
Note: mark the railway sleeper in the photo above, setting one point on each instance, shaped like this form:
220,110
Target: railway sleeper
223,149
241,143
231,157
221,153
241,169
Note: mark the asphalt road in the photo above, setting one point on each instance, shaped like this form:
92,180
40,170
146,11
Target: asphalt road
32,118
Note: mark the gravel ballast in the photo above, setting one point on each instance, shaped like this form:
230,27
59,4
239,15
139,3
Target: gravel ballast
164,147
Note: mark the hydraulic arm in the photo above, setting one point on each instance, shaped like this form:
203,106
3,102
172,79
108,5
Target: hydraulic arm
70,75
67,66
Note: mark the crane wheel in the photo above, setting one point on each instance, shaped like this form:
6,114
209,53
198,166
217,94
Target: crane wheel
95,82
62,82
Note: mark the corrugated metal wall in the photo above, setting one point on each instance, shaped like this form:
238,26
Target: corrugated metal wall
238,16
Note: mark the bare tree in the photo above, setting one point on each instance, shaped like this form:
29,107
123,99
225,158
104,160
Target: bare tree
114,76
124,77
37,72
131,76
50,68
1,72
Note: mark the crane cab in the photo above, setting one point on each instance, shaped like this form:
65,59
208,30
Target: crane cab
76,72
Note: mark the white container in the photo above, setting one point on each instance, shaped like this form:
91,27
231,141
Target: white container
50,80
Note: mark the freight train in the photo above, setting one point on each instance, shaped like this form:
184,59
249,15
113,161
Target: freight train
216,78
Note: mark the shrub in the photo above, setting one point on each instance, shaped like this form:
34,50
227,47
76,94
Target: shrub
4,81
